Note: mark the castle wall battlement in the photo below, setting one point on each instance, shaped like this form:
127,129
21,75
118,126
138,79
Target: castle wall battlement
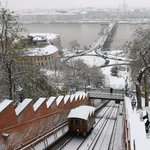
29,121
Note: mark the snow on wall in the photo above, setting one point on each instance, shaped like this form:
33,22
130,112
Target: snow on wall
38,103
50,101
136,128
22,106
66,98
28,121
59,99
5,104
72,97
76,97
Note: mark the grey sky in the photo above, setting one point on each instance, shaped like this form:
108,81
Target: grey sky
23,4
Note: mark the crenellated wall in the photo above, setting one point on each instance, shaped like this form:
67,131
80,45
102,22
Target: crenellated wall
29,121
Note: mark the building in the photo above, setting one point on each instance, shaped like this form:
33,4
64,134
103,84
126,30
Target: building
124,5
45,52
44,17
54,39
44,57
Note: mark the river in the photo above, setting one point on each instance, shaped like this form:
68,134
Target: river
85,34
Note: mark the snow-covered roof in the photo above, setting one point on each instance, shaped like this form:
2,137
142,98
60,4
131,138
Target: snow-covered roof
22,106
48,50
82,112
39,38
59,99
66,98
49,36
38,103
5,104
50,101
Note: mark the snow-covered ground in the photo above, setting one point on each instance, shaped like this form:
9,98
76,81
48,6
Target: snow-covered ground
91,60
137,127
112,81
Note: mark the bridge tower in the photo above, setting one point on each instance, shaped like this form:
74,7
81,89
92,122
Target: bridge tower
113,18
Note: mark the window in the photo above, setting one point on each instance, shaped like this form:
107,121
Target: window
49,58
42,64
31,59
45,58
38,59
83,123
34,59
46,64
41,58
39,64
77,122
27,58
71,121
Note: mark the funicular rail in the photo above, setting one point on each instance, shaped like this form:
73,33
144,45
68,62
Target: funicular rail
106,118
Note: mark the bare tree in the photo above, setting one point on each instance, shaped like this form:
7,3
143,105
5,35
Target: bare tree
140,53
74,45
78,75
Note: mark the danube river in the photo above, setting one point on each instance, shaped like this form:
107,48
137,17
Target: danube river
85,34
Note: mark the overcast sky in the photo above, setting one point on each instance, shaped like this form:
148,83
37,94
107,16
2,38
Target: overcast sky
24,4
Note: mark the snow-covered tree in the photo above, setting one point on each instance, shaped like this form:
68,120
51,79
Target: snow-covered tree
15,70
77,74
140,53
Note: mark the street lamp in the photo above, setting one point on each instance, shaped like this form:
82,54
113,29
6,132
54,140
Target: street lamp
133,102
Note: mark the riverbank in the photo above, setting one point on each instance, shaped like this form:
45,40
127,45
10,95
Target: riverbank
126,21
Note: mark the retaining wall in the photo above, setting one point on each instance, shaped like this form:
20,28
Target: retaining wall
28,121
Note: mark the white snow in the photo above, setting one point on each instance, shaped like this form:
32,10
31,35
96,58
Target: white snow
136,127
114,81
50,101
49,36
48,50
38,103
5,104
66,98
81,94
91,60
82,112
72,97
76,97
59,99
142,144
22,106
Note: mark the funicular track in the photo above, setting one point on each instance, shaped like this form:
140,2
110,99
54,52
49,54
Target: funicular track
102,134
